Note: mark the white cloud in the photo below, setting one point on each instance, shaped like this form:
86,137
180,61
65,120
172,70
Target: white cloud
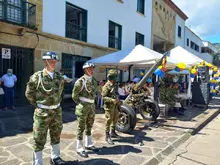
204,17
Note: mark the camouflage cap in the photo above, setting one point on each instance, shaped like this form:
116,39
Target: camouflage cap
112,72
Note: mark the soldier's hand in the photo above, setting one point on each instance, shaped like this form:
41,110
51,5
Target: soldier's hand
115,101
120,102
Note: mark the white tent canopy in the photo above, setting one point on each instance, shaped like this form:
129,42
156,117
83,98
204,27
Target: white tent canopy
138,54
182,55
170,63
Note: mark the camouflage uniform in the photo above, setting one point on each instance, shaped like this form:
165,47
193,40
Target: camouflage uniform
167,95
136,98
110,94
84,95
46,118
85,111
45,93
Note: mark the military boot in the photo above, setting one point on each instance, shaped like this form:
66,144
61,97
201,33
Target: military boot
55,156
114,134
57,161
80,150
89,145
108,139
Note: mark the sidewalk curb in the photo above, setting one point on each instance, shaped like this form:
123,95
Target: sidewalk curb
203,122
158,158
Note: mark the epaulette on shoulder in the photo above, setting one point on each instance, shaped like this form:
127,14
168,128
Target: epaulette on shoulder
36,75
80,80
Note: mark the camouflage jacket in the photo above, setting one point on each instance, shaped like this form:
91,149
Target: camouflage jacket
42,89
84,88
109,92
167,95
136,98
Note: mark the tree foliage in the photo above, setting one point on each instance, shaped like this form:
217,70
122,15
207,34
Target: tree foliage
216,57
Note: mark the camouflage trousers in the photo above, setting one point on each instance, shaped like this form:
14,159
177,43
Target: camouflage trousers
85,113
111,118
45,119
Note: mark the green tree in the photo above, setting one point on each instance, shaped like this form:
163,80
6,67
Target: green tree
216,56
216,59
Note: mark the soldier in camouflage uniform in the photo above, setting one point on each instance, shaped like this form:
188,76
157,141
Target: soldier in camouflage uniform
84,94
110,97
44,91
136,98
167,94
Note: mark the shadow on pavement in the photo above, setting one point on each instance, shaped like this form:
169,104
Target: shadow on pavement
116,150
193,111
20,120
92,162
138,137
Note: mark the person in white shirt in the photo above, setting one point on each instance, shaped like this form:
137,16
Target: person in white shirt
122,93
9,81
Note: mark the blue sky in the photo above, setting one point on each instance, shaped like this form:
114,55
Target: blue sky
213,39
204,17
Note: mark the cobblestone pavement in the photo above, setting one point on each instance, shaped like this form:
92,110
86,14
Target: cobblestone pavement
145,143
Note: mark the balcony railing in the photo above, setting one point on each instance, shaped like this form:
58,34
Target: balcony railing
75,31
18,12
114,42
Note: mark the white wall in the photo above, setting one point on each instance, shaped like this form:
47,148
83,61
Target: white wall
206,56
180,41
193,37
99,14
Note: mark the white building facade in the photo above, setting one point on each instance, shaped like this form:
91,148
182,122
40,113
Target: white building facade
180,32
118,24
200,48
